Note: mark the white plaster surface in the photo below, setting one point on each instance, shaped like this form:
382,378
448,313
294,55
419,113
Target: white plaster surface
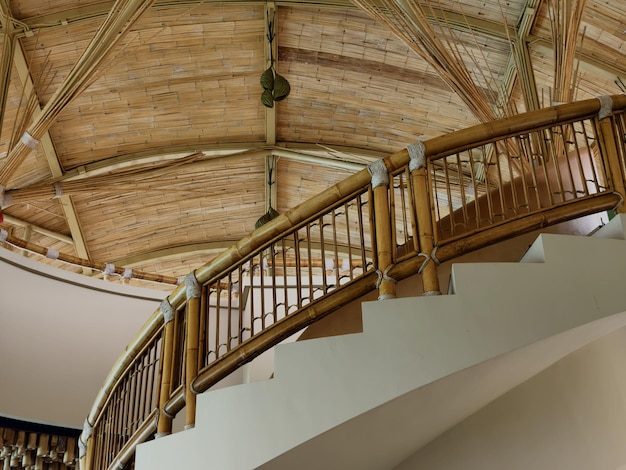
408,344
60,334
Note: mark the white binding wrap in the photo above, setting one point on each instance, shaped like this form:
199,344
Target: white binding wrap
417,157
167,311
379,173
52,254
606,106
29,140
128,274
3,235
192,287
84,437
58,190
109,269
5,198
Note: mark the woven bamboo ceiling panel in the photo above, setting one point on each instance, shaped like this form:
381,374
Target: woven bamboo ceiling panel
153,150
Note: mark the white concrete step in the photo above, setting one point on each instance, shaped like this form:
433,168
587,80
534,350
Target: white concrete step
505,323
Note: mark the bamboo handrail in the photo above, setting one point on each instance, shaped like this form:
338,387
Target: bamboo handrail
262,238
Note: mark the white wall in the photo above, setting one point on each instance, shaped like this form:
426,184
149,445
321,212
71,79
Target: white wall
60,334
571,416
408,348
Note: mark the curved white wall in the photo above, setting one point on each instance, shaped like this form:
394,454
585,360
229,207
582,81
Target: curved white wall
60,334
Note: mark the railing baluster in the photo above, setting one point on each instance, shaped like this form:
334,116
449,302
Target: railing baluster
193,292
380,186
164,426
417,165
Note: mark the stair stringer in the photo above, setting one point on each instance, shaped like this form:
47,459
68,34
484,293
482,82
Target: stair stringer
407,343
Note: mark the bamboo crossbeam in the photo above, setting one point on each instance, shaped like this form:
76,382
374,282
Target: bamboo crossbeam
76,261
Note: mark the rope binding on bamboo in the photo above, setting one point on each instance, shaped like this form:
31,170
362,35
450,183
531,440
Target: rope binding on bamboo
433,256
378,170
58,190
128,274
192,287
384,276
427,260
28,140
6,199
606,106
84,437
417,157
167,311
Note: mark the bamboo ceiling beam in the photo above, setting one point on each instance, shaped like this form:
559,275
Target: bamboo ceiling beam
9,40
123,15
9,219
175,252
129,176
71,217
520,65
344,157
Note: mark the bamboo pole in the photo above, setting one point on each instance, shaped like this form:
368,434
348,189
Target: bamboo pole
616,175
107,268
164,424
380,184
417,165
193,292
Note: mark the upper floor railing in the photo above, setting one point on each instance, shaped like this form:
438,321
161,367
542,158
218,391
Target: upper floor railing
402,215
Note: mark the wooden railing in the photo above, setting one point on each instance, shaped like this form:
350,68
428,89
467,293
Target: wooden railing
26,445
403,215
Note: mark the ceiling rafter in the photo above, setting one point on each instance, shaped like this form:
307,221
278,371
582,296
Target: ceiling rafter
338,156
520,65
6,62
175,252
36,228
52,158
109,34
45,189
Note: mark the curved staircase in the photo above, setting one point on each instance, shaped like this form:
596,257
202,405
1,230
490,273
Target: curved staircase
421,366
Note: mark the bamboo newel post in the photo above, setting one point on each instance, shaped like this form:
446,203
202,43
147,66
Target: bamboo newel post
417,166
380,184
164,423
616,175
191,352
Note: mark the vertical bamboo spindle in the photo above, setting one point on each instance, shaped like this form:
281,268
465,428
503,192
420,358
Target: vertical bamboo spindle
191,353
417,166
380,185
610,146
164,424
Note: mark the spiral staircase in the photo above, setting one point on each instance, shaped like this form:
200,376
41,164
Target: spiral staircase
421,366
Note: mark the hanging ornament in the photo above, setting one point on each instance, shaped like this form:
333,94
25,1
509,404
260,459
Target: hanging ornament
275,86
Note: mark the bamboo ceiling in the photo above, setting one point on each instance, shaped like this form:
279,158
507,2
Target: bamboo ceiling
151,143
